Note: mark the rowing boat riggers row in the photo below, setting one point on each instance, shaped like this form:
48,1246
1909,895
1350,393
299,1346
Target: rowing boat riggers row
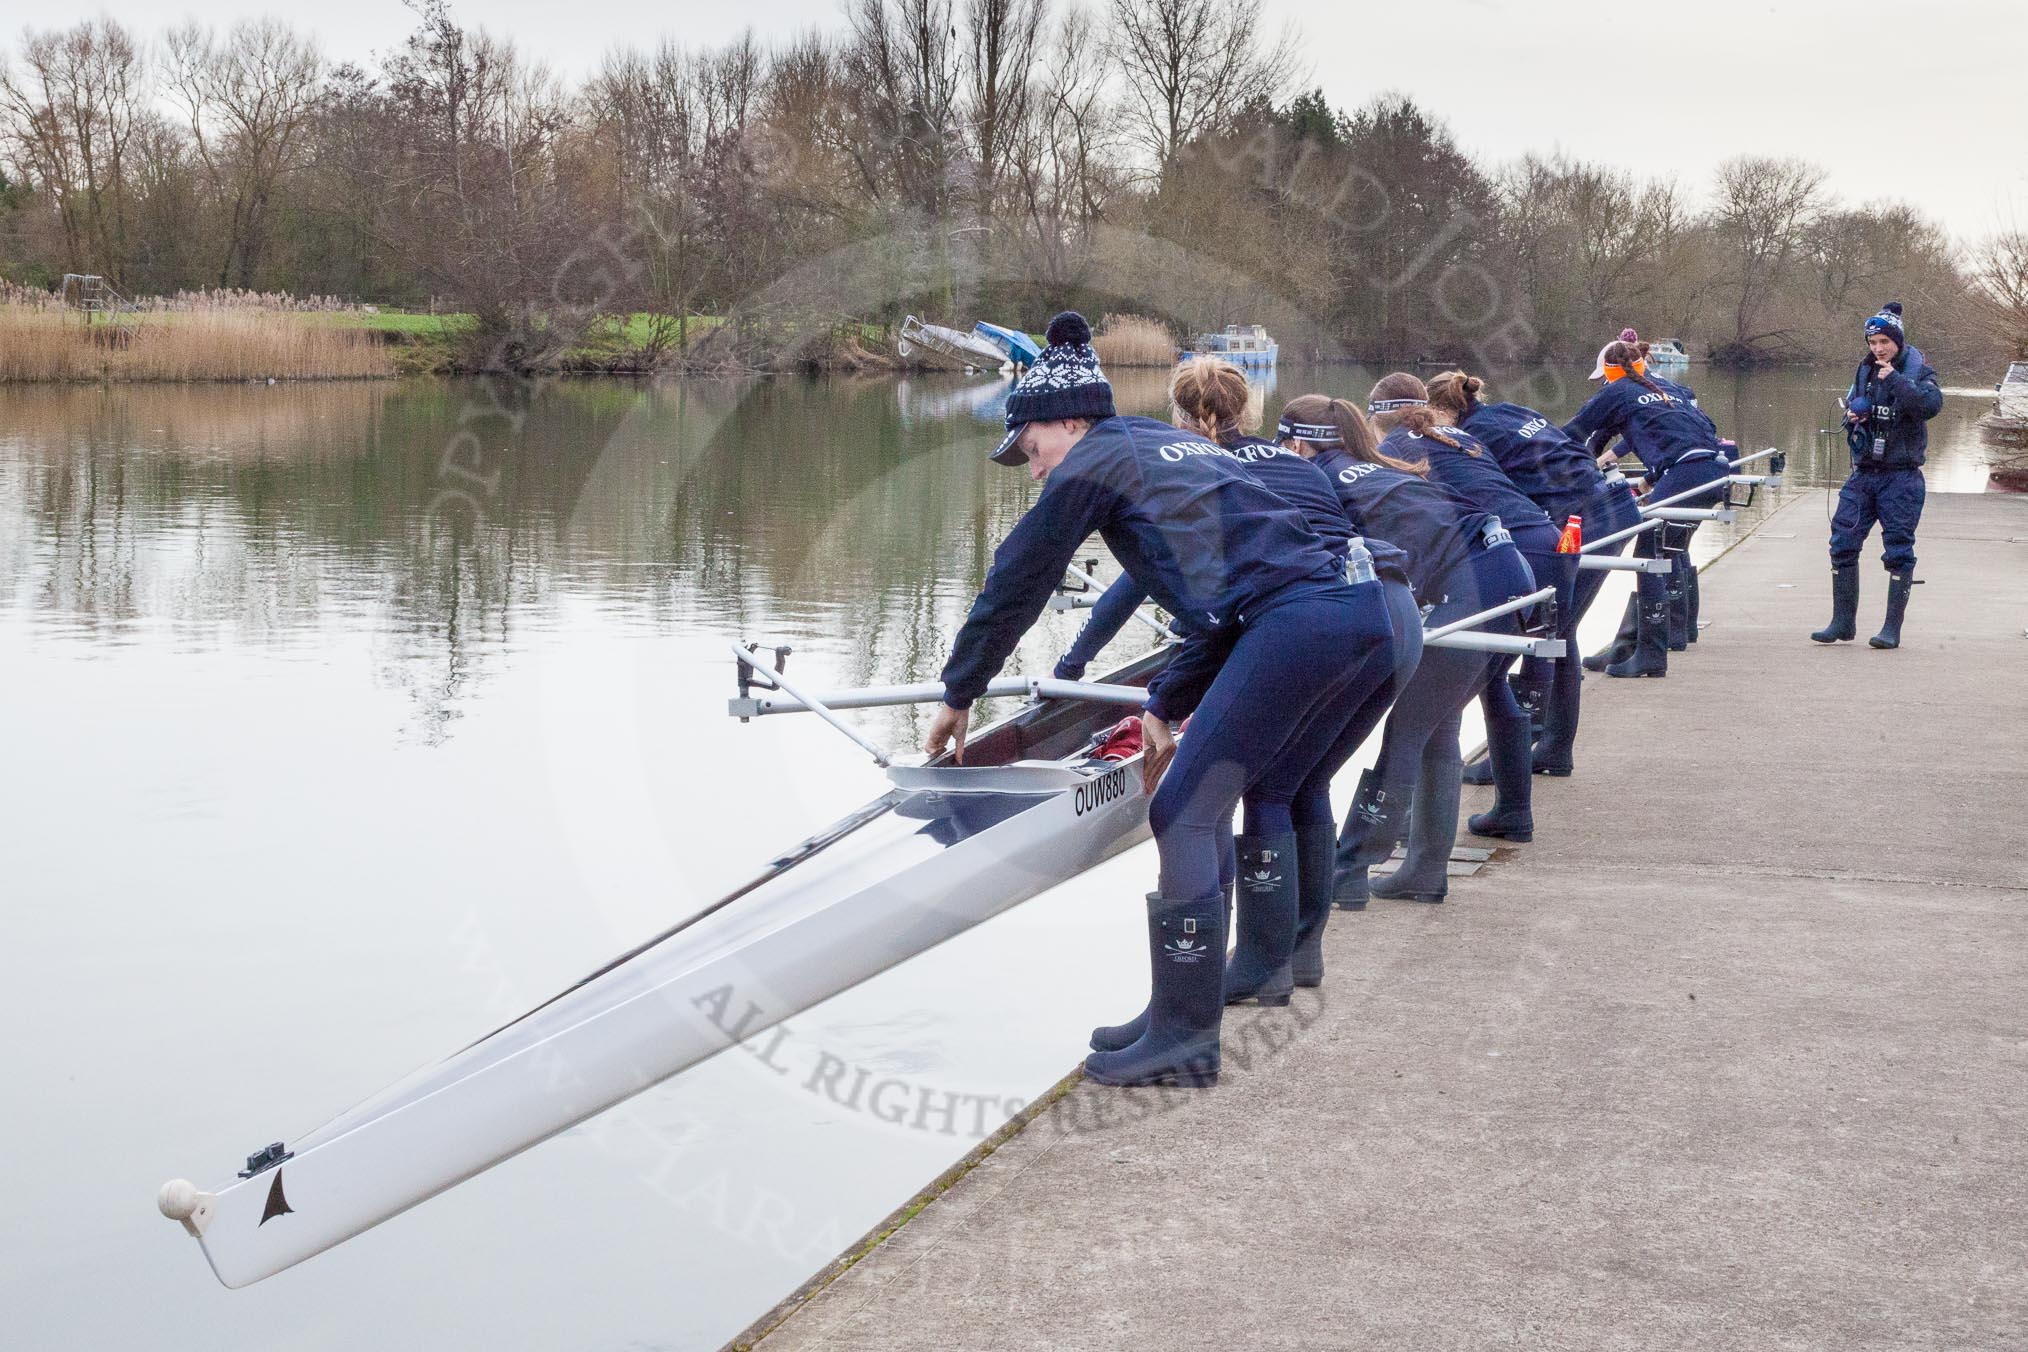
1419,751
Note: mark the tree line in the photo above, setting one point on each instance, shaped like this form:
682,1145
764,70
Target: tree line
765,203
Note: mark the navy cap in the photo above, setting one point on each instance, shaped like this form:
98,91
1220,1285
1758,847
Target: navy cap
1005,453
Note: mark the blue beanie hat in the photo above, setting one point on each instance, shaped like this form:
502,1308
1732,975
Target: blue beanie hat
1888,321
1065,382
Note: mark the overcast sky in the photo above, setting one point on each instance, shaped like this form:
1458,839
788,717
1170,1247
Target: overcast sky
1924,102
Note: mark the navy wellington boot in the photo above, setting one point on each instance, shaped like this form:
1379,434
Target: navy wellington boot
1112,1037
1186,950
1512,816
1844,625
1695,593
1432,830
1679,601
1531,687
1898,587
1622,646
1651,645
1316,869
1372,829
1258,970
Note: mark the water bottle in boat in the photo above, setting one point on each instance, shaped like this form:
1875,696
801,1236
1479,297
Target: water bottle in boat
1359,563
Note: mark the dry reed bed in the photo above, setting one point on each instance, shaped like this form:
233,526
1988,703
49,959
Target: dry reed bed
241,343
1133,340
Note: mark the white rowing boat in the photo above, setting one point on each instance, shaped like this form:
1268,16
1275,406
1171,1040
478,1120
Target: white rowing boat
945,848
904,873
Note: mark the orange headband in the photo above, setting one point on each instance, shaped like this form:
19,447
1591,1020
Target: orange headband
1613,373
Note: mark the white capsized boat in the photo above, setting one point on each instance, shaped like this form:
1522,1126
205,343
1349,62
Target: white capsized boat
903,873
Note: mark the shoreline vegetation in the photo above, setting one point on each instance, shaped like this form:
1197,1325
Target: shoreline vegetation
235,336
781,204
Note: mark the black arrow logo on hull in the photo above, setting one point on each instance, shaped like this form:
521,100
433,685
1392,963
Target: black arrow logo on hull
278,1205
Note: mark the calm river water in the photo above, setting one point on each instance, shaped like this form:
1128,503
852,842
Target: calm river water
301,793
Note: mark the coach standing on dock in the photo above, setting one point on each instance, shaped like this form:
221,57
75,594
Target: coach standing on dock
1894,394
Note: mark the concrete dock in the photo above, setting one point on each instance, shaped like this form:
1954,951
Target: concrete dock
1734,1055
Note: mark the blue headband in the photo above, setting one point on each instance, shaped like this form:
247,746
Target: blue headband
1389,405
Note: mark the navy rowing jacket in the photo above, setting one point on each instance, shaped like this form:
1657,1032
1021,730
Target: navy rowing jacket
1182,516
1558,474
1178,688
1898,409
1479,480
1659,428
1302,482
1432,524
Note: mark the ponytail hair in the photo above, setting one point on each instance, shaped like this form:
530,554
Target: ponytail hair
1402,401
1354,431
1455,393
1631,356
1210,396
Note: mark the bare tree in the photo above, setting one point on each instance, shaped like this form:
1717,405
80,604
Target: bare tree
1764,212
1063,166
1191,64
904,73
2000,290
1004,35
249,101
73,107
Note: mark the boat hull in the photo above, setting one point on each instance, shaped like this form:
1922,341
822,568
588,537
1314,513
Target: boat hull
917,870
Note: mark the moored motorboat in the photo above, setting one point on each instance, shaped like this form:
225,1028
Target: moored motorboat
1246,346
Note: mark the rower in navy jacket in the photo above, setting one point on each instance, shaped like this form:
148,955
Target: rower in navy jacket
1216,548
1285,857
1561,477
1680,448
1461,463
1460,562
1894,394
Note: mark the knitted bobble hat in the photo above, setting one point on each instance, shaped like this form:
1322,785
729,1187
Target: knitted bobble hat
1065,382
1888,321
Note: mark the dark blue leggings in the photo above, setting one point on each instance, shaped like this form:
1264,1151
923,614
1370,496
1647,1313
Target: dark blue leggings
1296,790
1422,729
1289,665
1611,510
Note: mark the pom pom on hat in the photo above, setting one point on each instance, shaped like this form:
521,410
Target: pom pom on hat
1629,336
1068,328
1065,382
1892,307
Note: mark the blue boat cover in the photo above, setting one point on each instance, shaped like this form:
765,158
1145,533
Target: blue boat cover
1017,345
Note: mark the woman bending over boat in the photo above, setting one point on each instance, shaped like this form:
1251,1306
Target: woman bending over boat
1460,462
1214,547
1562,478
1680,449
1285,855
1460,561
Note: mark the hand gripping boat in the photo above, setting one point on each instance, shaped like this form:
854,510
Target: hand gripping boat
943,849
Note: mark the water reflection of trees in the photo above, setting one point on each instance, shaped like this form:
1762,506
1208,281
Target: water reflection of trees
858,515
